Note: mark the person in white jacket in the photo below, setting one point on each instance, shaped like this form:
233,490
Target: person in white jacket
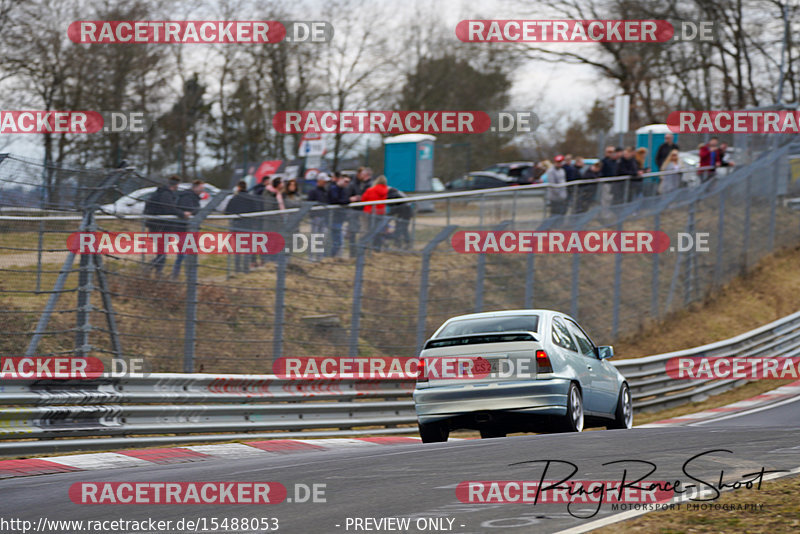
557,196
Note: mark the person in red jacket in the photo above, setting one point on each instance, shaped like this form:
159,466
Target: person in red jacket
709,157
378,191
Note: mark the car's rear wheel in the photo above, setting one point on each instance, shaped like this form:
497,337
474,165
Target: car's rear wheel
435,432
488,433
623,418
573,421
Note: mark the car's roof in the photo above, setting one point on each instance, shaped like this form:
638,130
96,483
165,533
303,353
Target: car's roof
513,164
490,174
502,313
182,185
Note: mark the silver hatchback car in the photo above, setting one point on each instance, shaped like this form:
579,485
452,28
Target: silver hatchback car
517,371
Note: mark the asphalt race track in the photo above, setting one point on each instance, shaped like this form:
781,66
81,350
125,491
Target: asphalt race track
419,481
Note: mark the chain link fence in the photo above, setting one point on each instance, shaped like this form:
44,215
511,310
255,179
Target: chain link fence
393,282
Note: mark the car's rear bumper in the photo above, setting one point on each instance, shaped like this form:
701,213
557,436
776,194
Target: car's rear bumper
534,397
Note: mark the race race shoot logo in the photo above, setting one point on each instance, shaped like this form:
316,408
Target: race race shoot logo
723,368
198,31
68,368
558,242
404,122
176,243
716,122
582,31
177,493
381,368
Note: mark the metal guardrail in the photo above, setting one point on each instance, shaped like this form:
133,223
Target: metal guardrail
185,408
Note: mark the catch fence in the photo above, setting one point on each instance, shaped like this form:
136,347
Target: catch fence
382,295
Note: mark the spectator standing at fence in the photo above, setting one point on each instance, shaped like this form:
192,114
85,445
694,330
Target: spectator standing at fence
538,172
709,157
378,191
671,182
723,156
319,218
189,202
588,192
572,175
580,166
338,194
665,150
244,202
291,194
614,191
275,188
401,214
557,196
649,183
362,182
164,202
261,186
628,166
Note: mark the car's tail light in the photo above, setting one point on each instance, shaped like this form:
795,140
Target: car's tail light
422,376
543,364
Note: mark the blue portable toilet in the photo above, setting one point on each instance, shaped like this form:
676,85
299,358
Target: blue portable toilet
651,137
408,161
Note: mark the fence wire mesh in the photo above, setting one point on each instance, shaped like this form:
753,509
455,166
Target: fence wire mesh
382,294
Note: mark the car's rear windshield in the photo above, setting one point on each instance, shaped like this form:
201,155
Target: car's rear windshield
487,325
477,340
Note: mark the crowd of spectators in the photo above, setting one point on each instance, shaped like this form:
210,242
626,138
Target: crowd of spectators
668,174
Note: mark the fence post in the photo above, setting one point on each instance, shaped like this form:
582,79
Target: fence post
481,275
190,319
691,258
617,289
529,277
422,310
720,237
280,280
773,206
361,249
39,257
746,239
656,267
83,325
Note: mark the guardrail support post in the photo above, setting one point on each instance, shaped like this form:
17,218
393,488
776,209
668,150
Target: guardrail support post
422,311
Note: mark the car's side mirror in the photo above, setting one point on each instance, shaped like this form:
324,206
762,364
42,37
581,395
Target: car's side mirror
605,352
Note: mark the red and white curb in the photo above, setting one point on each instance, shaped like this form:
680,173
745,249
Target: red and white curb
174,455
779,394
